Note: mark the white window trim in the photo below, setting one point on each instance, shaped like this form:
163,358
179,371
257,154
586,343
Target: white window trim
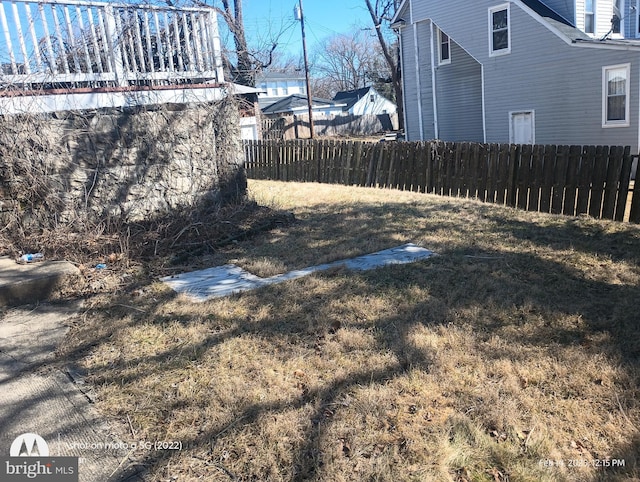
440,61
625,123
497,8
533,119
637,35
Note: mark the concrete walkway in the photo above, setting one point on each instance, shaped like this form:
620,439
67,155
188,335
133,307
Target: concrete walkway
30,283
37,398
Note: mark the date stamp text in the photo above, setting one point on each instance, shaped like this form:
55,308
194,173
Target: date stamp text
582,463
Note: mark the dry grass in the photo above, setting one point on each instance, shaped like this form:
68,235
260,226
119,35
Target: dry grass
518,344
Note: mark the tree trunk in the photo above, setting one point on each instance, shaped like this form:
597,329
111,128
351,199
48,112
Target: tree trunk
388,7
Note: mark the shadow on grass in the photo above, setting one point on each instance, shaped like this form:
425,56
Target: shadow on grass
521,297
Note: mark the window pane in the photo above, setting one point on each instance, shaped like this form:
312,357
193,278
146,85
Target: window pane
501,40
588,23
444,46
616,108
616,82
444,52
588,5
500,20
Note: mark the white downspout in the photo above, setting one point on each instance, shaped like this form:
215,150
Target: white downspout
404,97
433,85
484,116
638,146
418,85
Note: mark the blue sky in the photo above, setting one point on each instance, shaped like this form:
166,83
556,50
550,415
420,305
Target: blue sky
263,19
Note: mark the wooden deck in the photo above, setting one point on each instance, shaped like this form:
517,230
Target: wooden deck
88,48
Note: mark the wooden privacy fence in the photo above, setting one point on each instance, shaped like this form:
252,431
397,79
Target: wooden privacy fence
570,180
327,125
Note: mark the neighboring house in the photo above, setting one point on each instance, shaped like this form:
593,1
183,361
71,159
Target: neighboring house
522,71
297,104
276,86
365,101
600,18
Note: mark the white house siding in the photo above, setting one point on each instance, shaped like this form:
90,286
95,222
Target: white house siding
604,14
562,83
380,105
459,97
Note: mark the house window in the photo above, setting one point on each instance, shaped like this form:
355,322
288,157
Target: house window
444,48
589,16
616,20
615,95
499,30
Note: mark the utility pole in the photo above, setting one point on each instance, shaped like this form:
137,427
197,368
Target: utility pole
300,16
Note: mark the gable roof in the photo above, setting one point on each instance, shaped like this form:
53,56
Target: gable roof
545,11
296,102
557,24
567,31
350,97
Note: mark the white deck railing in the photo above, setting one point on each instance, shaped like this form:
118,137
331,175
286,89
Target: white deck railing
73,43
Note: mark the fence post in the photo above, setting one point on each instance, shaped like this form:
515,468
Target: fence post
214,38
113,39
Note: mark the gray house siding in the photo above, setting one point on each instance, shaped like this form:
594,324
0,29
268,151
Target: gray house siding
559,81
459,97
419,111
409,85
426,85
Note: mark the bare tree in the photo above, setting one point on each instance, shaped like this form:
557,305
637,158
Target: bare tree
247,62
242,62
347,62
381,12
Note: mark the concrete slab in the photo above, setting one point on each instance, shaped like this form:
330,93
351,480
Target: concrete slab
34,282
38,399
225,280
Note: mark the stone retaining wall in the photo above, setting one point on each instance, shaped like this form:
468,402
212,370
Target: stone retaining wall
116,164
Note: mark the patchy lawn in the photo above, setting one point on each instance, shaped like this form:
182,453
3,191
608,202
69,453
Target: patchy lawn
513,355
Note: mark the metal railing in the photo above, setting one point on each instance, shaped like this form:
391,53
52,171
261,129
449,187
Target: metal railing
94,44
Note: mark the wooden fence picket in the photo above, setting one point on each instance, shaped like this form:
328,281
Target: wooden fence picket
559,179
598,180
612,187
625,179
524,176
634,216
568,180
584,178
571,184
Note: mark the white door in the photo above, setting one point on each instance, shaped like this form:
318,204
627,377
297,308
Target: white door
522,128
